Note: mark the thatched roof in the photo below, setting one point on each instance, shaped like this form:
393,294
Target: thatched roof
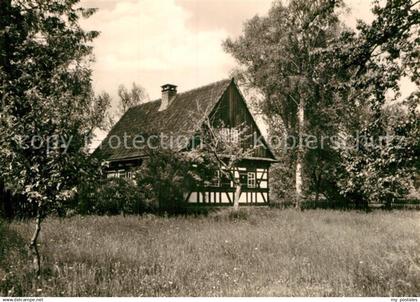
180,118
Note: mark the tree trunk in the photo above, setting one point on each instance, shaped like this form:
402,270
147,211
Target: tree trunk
36,259
238,190
299,157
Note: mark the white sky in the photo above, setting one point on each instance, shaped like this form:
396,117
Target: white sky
153,42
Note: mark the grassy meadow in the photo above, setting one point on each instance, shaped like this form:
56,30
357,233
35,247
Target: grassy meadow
261,252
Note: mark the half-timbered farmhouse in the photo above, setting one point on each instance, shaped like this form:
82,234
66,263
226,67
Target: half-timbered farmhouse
175,114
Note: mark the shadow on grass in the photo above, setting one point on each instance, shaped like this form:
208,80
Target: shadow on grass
11,241
12,253
16,274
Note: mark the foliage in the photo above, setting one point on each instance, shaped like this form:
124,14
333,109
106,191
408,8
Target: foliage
111,197
46,116
102,107
344,79
166,176
279,56
281,189
381,168
45,91
380,156
128,99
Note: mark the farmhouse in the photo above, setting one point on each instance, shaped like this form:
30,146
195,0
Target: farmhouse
176,114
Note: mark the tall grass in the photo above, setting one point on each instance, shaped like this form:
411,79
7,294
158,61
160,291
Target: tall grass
261,253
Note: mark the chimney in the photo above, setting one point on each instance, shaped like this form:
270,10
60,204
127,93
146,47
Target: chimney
168,95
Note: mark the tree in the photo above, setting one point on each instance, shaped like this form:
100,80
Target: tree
101,115
320,77
128,99
46,111
279,56
221,149
368,66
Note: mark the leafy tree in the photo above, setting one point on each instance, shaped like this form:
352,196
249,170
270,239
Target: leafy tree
46,102
215,149
279,56
368,66
381,162
128,99
320,77
104,120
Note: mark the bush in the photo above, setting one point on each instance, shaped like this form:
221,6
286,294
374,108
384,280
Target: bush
162,183
166,177
282,193
112,197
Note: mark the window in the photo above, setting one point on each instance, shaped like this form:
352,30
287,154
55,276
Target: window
251,180
229,135
116,174
234,135
120,174
130,175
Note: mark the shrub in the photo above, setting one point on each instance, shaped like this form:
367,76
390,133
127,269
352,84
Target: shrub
282,193
165,178
112,197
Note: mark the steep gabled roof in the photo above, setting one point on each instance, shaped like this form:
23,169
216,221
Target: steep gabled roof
180,118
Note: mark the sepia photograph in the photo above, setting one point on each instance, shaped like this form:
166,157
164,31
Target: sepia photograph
210,149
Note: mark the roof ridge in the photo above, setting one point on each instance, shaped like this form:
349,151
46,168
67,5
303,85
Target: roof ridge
184,92
205,86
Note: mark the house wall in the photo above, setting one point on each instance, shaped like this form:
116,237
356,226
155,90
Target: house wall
123,169
232,112
222,193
